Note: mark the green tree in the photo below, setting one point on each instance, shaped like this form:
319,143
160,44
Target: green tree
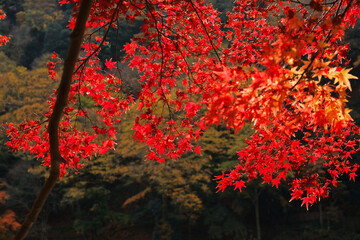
24,93
39,13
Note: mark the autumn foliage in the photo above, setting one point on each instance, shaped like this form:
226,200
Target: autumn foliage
8,221
279,66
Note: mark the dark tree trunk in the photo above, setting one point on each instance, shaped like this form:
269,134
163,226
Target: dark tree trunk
76,38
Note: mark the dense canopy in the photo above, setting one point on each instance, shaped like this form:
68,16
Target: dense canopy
278,66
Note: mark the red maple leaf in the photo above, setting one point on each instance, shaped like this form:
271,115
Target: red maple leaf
239,185
197,150
110,64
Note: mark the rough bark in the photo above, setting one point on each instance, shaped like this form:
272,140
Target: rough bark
76,38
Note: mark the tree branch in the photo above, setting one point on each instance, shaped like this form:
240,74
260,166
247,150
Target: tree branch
76,39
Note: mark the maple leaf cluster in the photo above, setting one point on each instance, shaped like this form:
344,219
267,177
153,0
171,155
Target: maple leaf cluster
294,95
276,65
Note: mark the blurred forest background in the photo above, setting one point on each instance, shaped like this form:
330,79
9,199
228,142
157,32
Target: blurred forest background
121,196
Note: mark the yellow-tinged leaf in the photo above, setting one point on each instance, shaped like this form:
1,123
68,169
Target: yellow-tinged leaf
322,45
343,77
